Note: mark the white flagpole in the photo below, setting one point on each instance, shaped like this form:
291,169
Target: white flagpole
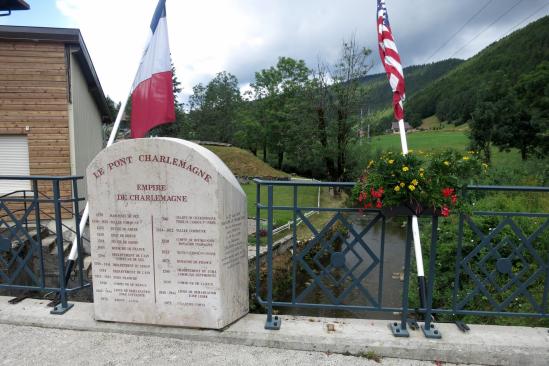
73,255
415,227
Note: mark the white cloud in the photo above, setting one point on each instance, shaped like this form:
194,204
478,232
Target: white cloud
202,36
245,36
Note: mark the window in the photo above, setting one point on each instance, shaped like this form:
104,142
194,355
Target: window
14,160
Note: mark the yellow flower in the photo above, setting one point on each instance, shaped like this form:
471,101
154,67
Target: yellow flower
397,188
446,163
405,168
485,166
411,187
421,169
415,182
465,158
421,174
402,184
370,163
391,161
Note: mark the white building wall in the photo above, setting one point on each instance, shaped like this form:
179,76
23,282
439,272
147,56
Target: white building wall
85,125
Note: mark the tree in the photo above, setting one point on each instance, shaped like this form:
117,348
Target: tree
279,92
482,124
337,93
533,95
512,116
249,133
214,108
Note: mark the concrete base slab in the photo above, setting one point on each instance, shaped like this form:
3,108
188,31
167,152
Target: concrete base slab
483,344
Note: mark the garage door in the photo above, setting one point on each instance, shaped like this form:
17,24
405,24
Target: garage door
14,160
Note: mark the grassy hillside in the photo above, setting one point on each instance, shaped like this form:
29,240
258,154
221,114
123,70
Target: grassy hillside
430,140
433,123
243,163
453,97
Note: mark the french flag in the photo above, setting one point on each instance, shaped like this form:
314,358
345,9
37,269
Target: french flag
152,90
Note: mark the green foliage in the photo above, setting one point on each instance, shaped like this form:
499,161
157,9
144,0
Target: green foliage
482,262
336,95
511,174
279,94
503,117
417,180
512,56
214,109
379,96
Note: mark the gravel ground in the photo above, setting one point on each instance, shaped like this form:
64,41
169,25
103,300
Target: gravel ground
24,345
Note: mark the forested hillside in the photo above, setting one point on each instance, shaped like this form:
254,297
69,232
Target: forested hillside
503,92
378,94
307,120
453,97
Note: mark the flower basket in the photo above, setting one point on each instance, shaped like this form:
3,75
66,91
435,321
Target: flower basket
406,209
417,184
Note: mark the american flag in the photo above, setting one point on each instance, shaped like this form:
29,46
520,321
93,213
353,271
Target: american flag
390,58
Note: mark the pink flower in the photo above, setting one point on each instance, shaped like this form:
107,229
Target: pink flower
379,204
454,199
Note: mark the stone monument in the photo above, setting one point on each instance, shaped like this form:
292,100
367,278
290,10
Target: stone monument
168,228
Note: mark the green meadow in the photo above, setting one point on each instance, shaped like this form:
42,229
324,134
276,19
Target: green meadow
282,196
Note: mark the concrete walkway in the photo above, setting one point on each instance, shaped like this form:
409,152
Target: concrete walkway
32,336
40,346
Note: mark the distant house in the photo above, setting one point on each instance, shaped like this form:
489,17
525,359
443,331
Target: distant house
52,105
395,129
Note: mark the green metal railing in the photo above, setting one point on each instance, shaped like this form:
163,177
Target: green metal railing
22,256
498,266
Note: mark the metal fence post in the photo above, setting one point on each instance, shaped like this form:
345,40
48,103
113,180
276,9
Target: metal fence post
63,306
429,329
36,199
294,245
257,240
273,322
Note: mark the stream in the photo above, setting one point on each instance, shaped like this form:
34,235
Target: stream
358,261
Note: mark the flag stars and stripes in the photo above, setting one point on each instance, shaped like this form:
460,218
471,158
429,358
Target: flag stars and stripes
390,59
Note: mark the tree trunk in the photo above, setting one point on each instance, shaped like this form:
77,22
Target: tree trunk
523,153
265,150
323,137
280,159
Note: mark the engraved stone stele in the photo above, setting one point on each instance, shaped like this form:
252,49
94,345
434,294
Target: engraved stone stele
168,227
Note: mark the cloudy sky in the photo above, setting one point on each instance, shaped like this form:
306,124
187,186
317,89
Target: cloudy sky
245,36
